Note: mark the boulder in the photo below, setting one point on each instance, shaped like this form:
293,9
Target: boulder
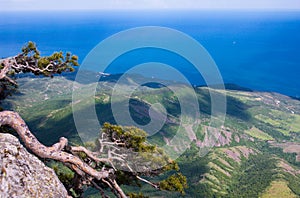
23,174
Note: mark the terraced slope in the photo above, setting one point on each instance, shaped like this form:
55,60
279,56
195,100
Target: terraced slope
255,154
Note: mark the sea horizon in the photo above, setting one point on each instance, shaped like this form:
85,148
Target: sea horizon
253,49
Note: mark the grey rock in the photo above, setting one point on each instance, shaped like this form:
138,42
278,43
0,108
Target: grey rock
24,175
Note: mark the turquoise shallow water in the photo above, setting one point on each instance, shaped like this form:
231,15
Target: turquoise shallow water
258,50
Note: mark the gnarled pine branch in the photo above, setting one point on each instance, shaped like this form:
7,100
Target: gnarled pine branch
54,152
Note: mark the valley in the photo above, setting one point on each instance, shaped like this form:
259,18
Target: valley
257,152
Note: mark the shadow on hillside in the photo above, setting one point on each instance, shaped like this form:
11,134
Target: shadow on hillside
234,107
53,129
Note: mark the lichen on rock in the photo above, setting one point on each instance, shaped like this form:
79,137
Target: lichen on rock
23,174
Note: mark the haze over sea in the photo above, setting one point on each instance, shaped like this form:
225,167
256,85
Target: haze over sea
254,49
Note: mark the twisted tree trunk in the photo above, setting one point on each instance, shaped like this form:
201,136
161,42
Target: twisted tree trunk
55,152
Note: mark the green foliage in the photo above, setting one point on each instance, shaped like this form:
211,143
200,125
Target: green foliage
127,178
30,61
293,183
47,65
133,137
136,195
254,177
73,193
176,182
289,157
172,165
31,50
64,174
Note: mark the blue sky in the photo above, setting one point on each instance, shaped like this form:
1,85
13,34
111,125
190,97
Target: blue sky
147,4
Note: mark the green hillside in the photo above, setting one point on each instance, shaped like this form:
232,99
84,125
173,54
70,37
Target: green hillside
256,155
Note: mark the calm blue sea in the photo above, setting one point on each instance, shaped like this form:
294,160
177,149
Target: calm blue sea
258,50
